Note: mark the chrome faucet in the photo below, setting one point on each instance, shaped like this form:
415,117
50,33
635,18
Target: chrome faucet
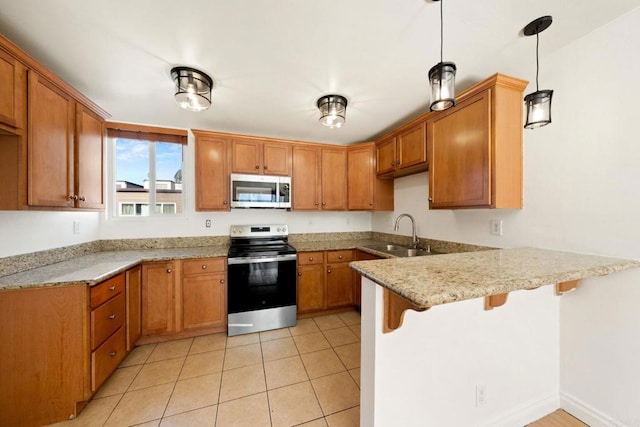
414,237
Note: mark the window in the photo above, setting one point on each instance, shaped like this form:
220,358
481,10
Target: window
147,170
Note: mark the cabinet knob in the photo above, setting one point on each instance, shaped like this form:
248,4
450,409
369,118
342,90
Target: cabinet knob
317,203
222,281
113,353
82,199
74,197
370,203
339,256
328,271
299,273
324,204
113,316
169,270
257,167
112,288
224,203
204,266
430,199
310,258
265,167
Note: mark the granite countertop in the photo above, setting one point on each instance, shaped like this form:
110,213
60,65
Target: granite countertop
331,245
97,267
442,279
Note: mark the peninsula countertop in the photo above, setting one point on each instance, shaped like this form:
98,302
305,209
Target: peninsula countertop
440,279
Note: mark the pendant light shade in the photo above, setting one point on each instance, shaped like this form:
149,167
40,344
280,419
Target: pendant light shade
442,79
333,109
538,103
193,88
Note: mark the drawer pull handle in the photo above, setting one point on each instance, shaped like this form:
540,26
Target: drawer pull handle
204,267
113,316
112,288
113,353
169,270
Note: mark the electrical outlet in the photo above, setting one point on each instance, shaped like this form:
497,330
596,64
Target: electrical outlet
207,223
496,227
76,227
481,395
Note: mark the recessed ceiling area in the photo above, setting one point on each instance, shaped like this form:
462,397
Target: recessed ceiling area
272,59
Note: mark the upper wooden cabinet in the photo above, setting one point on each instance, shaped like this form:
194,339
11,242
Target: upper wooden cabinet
365,190
404,152
51,138
319,177
475,148
12,92
212,176
260,157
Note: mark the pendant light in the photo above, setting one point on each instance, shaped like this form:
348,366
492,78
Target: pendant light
333,109
193,88
442,78
539,102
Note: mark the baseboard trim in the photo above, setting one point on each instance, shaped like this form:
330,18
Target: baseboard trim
526,413
585,413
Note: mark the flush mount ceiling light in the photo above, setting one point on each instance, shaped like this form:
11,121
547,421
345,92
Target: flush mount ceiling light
539,102
333,109
442,78
193,88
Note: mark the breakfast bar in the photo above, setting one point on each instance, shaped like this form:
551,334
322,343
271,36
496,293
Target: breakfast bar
487,350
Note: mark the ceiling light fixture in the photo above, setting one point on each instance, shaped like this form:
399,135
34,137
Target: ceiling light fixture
193,88
539,102
442,78
333,109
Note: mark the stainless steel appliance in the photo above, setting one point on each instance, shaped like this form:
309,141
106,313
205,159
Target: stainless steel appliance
260,191
261,284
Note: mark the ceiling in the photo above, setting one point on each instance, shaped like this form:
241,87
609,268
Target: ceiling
272,59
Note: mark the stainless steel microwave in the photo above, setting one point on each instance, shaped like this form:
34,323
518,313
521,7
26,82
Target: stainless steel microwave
260,191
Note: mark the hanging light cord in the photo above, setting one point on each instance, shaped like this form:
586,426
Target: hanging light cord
441,31
537,63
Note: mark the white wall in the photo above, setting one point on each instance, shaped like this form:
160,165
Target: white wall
582,194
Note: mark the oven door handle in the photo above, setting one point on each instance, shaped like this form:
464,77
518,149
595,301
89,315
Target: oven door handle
255,260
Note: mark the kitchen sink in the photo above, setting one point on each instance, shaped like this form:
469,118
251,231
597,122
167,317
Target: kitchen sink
399,250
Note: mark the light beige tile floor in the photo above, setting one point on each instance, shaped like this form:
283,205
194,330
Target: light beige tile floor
307,375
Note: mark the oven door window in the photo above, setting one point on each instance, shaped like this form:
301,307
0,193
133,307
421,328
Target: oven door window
254,191
261,285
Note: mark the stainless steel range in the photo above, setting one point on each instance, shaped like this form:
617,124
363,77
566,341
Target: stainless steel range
261,288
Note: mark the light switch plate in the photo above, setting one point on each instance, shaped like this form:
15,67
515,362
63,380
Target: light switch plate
496,227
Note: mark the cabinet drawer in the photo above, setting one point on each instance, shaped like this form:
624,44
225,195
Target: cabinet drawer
106,290
308,258
107,358
106,319
339,256
204,265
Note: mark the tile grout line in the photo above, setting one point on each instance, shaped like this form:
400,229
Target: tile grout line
175,384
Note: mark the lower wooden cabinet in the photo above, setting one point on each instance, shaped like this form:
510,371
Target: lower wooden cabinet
134,298
158,298
204,293
325,280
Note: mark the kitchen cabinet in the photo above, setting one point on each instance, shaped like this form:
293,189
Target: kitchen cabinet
365,190
260,157
475,148
204,293
319,179
158,297
12,92
89,159
404,152
325,280
211,170
134,309
311,275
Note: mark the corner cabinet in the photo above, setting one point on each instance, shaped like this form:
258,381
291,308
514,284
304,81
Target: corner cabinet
365,190
404,152
212,172
475,148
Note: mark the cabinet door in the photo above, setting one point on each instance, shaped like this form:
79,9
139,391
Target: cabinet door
50,144
245,156
212,178
11,91
310,288
334,179
158,304
134,318
339,285
361,177
277,158
89,164
204,301
386,156
305,182
412,147
459,151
